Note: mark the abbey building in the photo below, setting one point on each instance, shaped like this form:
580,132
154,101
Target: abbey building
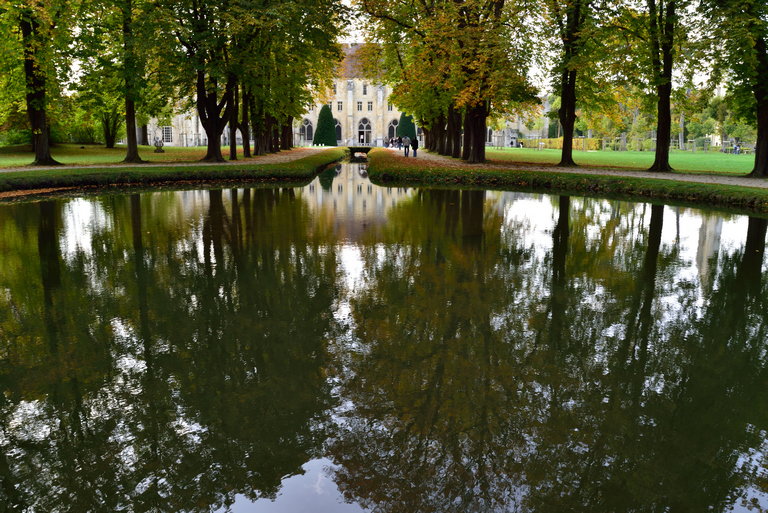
361,110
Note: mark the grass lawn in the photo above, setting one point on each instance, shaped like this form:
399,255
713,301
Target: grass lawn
297,171
78,154
391,170
712,162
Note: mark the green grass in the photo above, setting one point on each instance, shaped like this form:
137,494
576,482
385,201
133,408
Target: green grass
388,169
302,170
88,155
711,162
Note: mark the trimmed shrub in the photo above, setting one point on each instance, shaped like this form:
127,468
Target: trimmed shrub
406,126
326,128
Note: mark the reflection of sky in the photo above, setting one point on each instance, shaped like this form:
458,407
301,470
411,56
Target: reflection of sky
354,206
313,492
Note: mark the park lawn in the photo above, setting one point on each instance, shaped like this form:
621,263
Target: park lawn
297,171
684,162
388,169
92,154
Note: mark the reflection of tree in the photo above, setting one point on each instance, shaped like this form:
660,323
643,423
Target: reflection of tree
470,390
435,384
172,368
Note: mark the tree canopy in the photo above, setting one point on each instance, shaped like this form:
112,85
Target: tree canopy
95,70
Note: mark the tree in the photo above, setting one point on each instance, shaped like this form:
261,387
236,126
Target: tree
739,35
198,57
449,59
406,126
663,23
325,134
42,33
571,19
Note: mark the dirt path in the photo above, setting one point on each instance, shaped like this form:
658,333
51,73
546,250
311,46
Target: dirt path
739,181
272,158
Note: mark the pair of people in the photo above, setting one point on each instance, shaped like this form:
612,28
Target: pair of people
407,142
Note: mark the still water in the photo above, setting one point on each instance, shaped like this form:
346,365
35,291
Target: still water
343,347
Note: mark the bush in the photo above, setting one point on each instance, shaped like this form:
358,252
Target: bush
406,126
326,128
16,137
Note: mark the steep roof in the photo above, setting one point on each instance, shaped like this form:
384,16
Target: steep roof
351,67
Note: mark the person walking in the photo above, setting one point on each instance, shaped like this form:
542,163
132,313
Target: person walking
415,145
406,143
399,142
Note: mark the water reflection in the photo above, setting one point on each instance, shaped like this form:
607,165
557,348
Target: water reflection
496,351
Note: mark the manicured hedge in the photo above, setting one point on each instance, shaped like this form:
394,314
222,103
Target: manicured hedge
406,126
325,134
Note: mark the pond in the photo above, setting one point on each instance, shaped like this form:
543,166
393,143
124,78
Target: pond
347,347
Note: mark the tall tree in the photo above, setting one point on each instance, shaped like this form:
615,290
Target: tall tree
131,77
739,38
663,21
200,59
43,32
466,55
571,18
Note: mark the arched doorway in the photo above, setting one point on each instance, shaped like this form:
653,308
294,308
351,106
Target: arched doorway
338,129
364,131
306,133
392,129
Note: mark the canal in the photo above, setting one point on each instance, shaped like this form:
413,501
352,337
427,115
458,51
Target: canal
345,347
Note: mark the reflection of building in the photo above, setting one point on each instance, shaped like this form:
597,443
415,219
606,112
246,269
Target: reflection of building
709,244
352,204
361,109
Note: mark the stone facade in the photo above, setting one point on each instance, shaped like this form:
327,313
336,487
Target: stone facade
361,110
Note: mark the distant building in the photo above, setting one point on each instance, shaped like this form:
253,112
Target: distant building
361,109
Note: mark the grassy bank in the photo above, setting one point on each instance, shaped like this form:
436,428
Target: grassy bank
389,169
299,170
94,154
711,162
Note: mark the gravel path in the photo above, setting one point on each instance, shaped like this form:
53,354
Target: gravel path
272,158
739,181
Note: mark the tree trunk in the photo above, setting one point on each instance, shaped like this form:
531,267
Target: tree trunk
275,140
286,137
570,36
477,117
132,151
210,113
233,126
245,126
567,114
449,129
257,127
467,135
760,89
439,130
110,123
662,40
456,146
35,96
144,141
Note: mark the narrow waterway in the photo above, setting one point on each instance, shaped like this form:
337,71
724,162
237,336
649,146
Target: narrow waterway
345,347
